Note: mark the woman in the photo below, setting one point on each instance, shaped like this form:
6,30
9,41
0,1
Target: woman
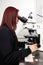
9,46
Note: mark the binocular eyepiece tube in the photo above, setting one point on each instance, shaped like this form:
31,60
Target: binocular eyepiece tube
22,19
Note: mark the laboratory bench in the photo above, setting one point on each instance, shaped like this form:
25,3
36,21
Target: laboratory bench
38,59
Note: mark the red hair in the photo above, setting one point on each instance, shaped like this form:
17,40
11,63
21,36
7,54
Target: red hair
9,17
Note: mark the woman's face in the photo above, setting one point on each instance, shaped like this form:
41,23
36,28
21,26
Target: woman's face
17,20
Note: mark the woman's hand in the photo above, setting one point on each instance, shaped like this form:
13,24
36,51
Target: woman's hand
33,47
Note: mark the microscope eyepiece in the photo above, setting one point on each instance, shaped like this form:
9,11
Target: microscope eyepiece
22,19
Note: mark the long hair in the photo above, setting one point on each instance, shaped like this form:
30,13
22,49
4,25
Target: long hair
9,17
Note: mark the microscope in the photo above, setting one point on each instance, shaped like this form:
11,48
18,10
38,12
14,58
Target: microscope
33,36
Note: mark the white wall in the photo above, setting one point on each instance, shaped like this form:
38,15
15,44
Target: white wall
39,19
